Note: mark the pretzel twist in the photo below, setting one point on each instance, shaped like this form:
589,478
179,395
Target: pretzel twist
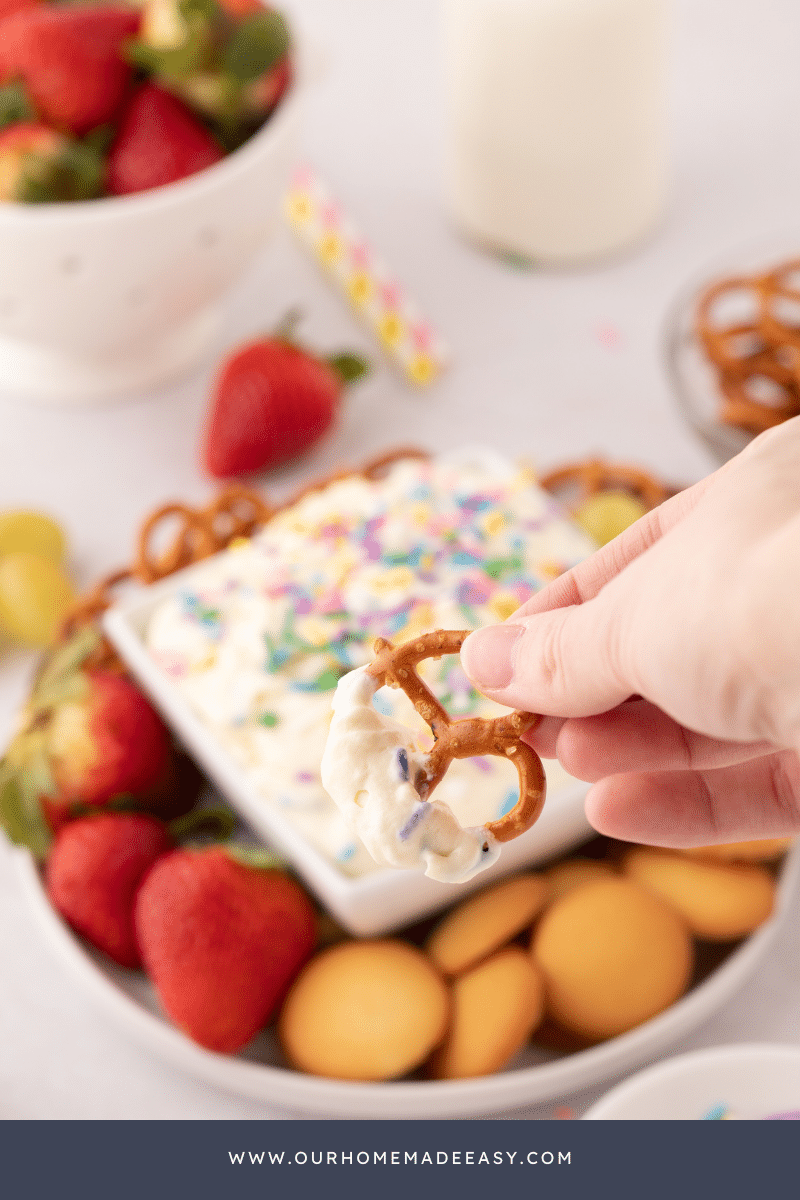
756,356
596,475
738,407
86,611
466,738
771,289
237,511
730,347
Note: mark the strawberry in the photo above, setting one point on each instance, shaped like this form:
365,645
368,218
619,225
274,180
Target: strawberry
263,93
256,58
93,871
272,400
70,59
237,110
106,742
159,141
238,8
228,59
38,164
221,941
26,146
86,737
7,7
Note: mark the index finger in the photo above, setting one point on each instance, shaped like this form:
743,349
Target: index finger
584,581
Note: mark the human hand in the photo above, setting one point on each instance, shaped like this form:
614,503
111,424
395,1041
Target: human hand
668,664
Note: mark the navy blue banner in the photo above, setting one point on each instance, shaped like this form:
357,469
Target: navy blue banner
387,1159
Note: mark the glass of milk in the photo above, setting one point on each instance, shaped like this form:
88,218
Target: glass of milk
556,123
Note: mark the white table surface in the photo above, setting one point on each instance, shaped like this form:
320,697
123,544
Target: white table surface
551,365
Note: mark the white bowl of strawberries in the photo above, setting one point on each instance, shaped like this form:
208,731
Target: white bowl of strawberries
144,153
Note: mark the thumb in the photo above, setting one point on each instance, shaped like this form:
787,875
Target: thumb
561,663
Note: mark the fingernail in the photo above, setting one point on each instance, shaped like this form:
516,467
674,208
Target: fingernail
487,655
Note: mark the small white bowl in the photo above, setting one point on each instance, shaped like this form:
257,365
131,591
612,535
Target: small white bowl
746,1082
101,298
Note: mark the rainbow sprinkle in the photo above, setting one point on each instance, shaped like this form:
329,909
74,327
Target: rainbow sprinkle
258,638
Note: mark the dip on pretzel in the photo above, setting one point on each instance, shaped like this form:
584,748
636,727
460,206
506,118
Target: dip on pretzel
382,781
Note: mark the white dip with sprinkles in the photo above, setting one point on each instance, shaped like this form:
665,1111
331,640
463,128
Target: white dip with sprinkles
259,638
367,769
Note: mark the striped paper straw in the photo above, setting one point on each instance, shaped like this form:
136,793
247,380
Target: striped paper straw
327,231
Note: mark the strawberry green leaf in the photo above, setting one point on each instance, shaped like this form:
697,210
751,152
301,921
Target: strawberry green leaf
123,803
172,64
257,45
15,105
286,329
257,857
206,10
229,126
215,95
21,817
100,138
76,172
348,366
59,678
69,688
214,822
35,777
196,52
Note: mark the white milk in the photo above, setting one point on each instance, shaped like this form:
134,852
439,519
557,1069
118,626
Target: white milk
556,123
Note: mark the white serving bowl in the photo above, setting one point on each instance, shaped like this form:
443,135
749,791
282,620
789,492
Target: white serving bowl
101,298
259,1072
746,1082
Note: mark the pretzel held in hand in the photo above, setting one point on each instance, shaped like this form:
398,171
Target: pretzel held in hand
466,738
383,782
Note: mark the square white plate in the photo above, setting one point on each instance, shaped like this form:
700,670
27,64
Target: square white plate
372,904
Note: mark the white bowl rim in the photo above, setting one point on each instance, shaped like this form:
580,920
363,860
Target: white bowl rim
485,1095
744,1054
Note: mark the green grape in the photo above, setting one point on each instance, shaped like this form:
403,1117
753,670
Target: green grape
31,531
35,595
605,515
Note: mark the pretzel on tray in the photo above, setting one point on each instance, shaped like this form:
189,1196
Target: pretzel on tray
466,738
176,535
595,475
236,512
